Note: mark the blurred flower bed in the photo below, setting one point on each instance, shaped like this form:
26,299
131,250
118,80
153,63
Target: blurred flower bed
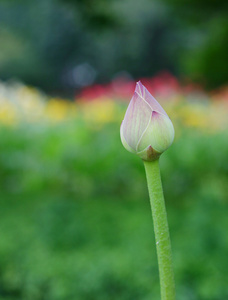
188,106
75,220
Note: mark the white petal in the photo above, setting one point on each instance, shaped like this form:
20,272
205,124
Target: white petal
125,144
159,133
135,120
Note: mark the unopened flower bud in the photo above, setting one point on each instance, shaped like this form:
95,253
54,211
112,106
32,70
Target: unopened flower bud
146,128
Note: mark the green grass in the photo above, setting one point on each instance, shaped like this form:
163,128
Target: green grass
75,220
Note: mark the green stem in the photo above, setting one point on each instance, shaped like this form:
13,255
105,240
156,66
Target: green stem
161,230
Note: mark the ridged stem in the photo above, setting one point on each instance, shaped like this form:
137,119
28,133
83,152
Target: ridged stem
161,230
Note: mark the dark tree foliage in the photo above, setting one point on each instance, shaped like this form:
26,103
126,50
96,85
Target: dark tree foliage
96,14
42,42
201,37
205,60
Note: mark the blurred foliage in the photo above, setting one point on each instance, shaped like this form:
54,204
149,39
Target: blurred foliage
205,26
75,216
75,220
37,39
96,15
43,42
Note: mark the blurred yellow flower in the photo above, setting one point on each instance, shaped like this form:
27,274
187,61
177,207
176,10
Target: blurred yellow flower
100,111
59,110
8,114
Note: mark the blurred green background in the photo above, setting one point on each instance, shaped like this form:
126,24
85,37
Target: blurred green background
75,220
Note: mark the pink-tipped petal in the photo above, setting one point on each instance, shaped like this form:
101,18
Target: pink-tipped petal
146,95
135,120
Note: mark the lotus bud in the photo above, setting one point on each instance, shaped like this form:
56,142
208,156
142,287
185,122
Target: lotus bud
146,128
